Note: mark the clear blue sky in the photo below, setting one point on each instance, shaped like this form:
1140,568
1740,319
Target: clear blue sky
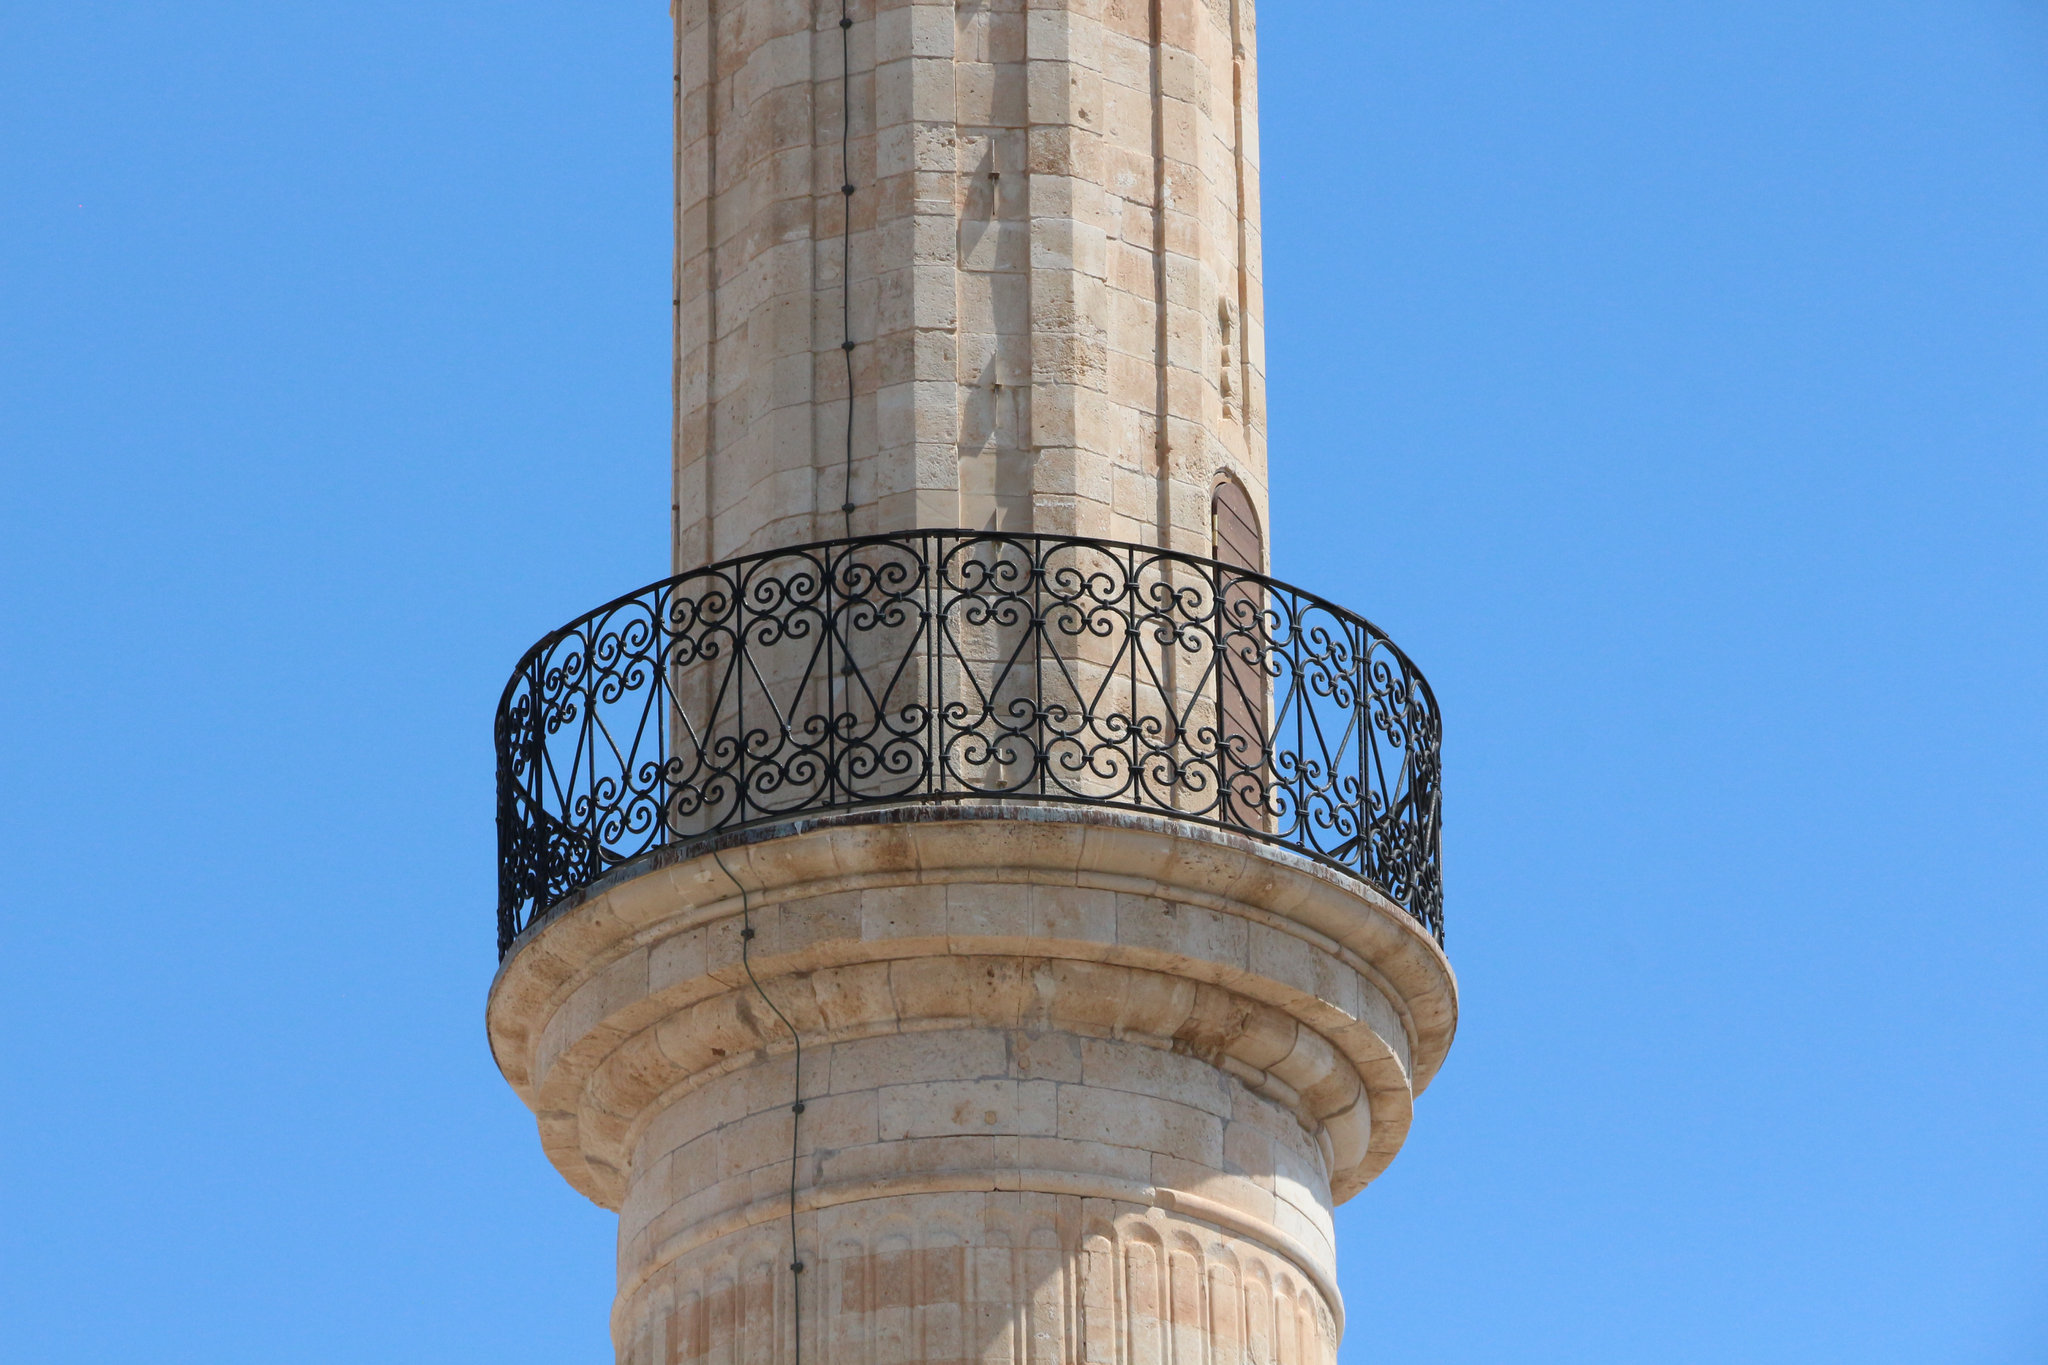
1672,380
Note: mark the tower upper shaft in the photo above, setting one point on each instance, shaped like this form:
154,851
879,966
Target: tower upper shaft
1050,272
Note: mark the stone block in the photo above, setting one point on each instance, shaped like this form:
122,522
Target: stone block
951,1054
1122,1119
968,1108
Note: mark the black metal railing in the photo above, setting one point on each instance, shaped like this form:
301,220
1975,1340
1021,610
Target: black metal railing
955,665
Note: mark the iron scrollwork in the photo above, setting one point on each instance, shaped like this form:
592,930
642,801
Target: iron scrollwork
951,665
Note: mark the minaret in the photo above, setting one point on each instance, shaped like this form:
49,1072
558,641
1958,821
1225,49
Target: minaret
970,912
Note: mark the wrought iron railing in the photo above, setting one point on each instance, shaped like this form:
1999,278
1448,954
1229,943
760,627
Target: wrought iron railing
931,666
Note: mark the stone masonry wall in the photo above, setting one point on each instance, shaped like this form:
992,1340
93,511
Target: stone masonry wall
1054,276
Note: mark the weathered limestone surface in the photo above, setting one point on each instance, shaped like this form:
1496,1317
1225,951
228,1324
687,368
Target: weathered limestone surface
1054,269
1076,1087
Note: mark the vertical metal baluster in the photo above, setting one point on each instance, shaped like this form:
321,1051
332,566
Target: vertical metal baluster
531,863
499,787
833,777
1300,704
1428,831
587,754
1411,783
1410,771
1434,849
1130,615
1418,850
540,769
741,672
1217,617
1034,562
1368,745
657,675
932,553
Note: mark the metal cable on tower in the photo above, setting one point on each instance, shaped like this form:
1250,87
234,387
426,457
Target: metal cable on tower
846,188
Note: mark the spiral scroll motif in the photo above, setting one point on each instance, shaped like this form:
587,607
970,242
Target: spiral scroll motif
952,665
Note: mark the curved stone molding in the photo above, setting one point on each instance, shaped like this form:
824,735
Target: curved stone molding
1002,1009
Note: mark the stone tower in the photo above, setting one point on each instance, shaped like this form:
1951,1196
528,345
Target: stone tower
970,913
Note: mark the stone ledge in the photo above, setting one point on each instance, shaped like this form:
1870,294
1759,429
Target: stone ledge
626,998
1416,974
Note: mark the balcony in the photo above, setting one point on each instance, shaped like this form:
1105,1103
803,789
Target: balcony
927,667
